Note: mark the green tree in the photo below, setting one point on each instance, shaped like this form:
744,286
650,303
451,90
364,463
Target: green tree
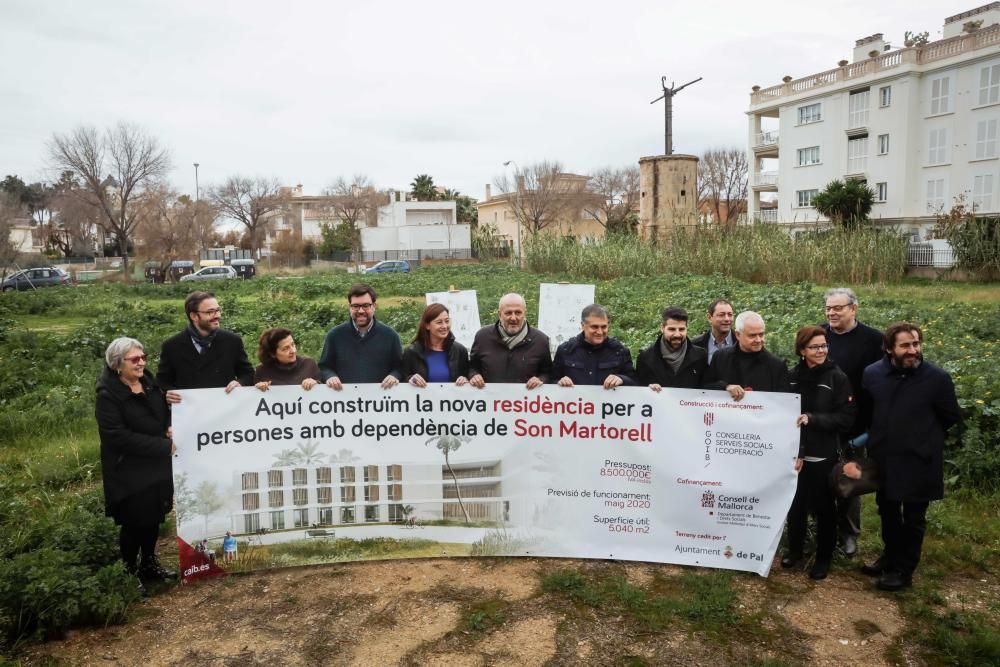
846,203
338,236
422,188
447,444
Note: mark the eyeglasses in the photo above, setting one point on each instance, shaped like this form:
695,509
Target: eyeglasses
362,306
817,348
837,309
136,359
211,311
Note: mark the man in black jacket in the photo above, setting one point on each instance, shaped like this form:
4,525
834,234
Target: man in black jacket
853,347
592,357
510,350
747,366
914,405
720,329
672,361
203,355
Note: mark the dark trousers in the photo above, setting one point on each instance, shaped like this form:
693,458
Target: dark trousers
813,496
903,528
849,516
136,538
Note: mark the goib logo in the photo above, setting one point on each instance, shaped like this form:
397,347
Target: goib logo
709,418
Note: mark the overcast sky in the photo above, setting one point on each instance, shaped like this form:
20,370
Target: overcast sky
308,91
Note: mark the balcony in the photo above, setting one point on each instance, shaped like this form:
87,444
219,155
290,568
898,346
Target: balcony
766,215
766,144
766,181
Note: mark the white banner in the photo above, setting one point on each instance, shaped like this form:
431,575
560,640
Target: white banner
559,308
463,311
297,477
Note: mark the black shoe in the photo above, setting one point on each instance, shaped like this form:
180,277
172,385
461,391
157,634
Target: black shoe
850,545
893,581
791,559
820,568
876,569
151,570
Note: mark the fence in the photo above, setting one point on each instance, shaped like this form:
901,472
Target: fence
408,255
925,254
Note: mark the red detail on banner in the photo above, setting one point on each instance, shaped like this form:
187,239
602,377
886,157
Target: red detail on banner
709,418
196,565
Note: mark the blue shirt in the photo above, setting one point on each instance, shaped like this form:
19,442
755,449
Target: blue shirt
437,366
713,348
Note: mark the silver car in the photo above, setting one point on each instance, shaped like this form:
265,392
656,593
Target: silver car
212,273
43,276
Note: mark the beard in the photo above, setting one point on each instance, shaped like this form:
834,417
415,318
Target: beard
907,360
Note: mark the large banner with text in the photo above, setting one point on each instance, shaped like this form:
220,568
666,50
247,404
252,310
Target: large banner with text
293,477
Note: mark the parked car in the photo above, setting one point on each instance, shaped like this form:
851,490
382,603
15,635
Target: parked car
42,276
390,266
212,273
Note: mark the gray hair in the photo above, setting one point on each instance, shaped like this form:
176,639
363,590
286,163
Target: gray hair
852,298
512,296
594,310
117,349
747,316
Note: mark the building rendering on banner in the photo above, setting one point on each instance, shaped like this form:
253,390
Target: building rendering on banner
919,125
346,494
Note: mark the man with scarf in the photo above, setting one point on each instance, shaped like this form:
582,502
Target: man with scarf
593,357
673,360
747,366
203,355
510,350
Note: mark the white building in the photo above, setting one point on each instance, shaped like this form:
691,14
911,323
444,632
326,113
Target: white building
918,124
405,227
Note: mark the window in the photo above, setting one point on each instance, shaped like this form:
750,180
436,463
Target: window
935,195
940,98
324,495
347,494
275,478
811,113
986,139
299,477
808,156
347,475
394,473
857,155
395,491
883,144
346,515
325,516
989,84
300,496
885,96
371,494
371,473
396,514
251,501
249,481
277,520
324,476
300,518
371,513
937,146
251,523
857,107
881,191
982,192
275,498
804,198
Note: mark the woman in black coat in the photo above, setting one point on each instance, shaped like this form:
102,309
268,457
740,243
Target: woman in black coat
435,355
136,449
827,412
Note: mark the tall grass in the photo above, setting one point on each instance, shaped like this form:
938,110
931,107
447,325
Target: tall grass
758,253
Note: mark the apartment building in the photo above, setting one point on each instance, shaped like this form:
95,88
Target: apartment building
918,124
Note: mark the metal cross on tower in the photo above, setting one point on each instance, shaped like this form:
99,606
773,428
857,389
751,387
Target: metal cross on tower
668,110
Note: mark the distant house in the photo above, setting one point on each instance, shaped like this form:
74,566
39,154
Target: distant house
405,227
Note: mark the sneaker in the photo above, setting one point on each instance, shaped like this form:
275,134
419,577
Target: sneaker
850,545
820,568
151,570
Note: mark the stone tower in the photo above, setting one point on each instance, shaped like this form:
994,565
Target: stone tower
668,186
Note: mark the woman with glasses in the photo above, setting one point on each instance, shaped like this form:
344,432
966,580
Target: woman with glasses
280,363
435,355
827,412
136,449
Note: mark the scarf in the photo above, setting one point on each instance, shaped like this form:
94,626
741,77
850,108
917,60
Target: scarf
203,341
512,340
673,358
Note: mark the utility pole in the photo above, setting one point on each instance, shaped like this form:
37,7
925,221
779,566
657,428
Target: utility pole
668,111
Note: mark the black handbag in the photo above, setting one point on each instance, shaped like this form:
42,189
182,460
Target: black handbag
845,487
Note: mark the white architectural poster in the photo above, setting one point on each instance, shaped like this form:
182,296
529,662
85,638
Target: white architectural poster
297,477
559,306
463,308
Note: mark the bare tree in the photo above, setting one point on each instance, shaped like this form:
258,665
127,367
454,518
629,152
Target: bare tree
539,195
10,210
615,198
723,183
173,226
115,169
73,223
355,201
248,201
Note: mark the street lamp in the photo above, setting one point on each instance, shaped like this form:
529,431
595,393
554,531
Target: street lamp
197,192
517,182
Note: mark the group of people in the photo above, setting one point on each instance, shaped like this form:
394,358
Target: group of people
859,388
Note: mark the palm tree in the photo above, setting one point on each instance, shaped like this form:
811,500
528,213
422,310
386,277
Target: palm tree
343,456
448,444
846,203
308,453
422,188
286,458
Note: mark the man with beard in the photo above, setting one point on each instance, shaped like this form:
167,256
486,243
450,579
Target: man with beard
510,350
203,355
362,349
853,347
720,329
914,404
747,366
672,361
592,357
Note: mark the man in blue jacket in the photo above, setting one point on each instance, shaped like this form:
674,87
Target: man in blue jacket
592,357
914,404
362,349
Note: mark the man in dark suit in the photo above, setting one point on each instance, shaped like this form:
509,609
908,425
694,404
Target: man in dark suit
747,366
672,360
720,329
203,355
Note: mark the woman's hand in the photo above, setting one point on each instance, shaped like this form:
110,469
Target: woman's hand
264,385
417,381
309,383
798,465
173,448
852,470
802,420
461,381
173,397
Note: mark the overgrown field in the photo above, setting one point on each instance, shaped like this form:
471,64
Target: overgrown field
52,344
